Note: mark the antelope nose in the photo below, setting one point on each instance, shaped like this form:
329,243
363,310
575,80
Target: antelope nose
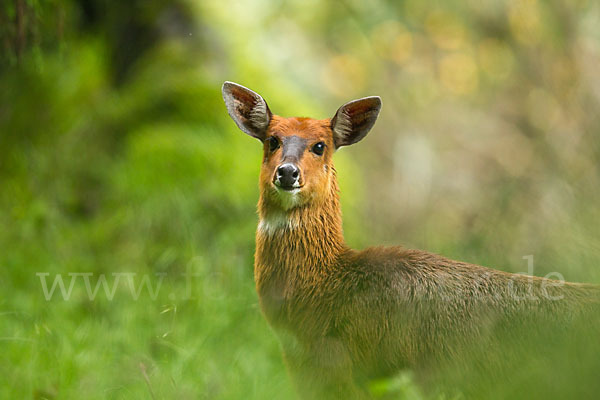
287,176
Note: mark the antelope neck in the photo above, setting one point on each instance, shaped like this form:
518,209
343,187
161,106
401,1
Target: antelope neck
307,236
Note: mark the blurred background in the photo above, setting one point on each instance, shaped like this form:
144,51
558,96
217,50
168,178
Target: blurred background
117,156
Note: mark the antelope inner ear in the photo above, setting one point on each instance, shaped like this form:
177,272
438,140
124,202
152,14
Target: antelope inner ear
354,120
248,109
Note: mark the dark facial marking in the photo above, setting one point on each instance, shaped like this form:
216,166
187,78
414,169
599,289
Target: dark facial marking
293,147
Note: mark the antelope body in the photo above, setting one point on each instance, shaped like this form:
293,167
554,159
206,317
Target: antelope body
344,316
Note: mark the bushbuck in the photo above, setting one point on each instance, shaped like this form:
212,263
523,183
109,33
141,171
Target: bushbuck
345,317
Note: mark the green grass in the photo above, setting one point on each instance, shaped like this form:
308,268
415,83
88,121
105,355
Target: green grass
159,195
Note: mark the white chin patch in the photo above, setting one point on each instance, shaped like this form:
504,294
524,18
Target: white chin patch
289,198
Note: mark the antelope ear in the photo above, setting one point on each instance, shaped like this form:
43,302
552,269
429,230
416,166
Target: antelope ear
354,120
248,109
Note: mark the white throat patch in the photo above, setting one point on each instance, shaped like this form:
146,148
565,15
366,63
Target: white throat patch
275,223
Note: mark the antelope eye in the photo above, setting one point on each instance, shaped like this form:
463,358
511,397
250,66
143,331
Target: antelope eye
318,148
273,143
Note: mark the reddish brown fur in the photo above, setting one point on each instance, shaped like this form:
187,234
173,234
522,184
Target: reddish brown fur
334,307
346,316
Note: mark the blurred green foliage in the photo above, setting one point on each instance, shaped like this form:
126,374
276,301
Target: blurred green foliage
117,155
